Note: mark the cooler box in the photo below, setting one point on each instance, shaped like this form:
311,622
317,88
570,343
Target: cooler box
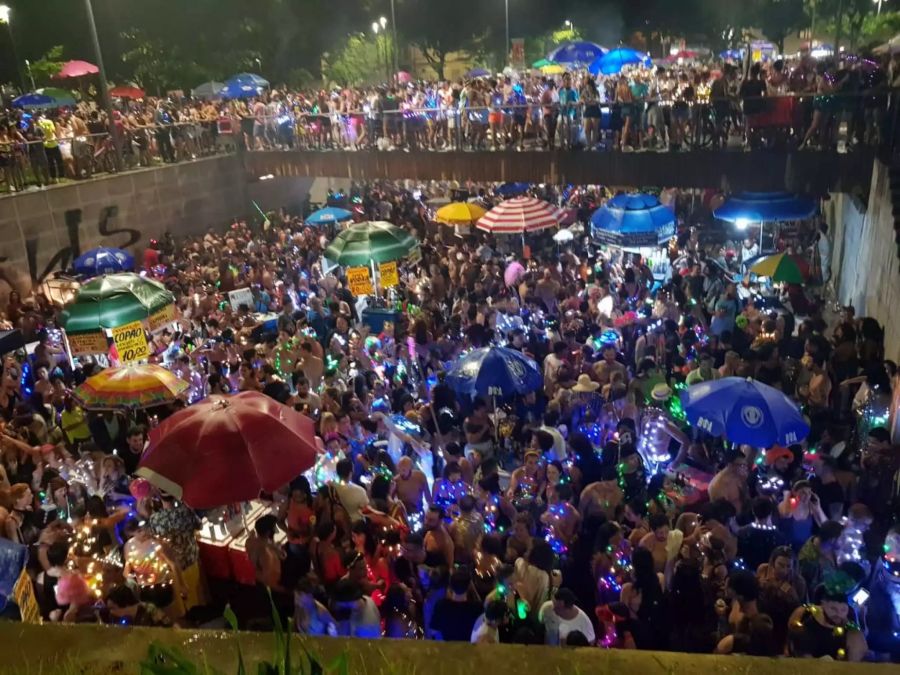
375,318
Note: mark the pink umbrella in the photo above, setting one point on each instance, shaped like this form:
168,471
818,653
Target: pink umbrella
514,272
76,69
403,77
520,215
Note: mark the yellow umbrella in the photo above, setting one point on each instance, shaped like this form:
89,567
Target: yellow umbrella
459,213
553,69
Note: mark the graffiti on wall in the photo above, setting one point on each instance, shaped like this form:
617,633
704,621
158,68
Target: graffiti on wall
63,257
107,233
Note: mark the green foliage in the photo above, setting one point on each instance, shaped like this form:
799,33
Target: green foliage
157,65
778,18
439,28
163,660
878,29
45,68
360,59
844,20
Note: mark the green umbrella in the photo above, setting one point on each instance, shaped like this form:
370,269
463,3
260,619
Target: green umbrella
374,241
61,97
113,301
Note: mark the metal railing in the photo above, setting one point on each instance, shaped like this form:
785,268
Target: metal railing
839,122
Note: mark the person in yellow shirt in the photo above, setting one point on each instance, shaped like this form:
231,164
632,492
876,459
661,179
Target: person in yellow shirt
74,424
51,147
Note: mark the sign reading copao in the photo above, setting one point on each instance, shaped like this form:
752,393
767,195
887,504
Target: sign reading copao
131,342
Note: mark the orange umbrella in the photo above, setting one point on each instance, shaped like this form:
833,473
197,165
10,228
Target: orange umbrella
132,386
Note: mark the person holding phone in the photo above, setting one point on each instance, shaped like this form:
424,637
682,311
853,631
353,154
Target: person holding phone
800,510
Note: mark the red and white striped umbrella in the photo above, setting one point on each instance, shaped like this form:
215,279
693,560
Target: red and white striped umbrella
520,215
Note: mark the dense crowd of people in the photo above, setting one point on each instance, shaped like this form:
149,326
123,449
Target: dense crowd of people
797,103
586,512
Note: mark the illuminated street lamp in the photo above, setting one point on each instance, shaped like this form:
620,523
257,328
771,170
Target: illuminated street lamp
5,14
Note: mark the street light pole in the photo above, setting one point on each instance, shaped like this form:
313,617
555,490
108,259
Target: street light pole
104,85
506,3
5,13
396,66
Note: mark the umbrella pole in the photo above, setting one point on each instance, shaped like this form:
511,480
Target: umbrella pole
438,437
374,282
496,419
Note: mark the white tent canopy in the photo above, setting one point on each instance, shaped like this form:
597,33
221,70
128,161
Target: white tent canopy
892,46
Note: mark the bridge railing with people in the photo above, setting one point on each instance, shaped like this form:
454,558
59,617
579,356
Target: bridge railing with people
830,122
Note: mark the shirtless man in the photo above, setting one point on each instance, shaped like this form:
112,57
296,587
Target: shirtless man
438,542
656,541
410,486
730,483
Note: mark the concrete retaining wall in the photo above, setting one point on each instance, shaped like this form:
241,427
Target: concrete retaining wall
43,230
864,257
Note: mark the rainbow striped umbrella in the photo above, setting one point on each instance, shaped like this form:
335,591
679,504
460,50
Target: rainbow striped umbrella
132,386
520,215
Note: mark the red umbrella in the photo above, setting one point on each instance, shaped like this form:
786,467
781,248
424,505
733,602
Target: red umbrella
77,69
127,91
229,449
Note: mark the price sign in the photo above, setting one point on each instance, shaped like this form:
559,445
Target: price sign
389,276
131,343
161,318
360,283
241,296
23,592
86,343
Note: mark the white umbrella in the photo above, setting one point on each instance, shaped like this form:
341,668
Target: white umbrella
563,236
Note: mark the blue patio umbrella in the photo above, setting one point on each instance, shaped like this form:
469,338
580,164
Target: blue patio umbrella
244,85
495,371
613,61
477,72
511,189
766,207
633,220
576,52
103,260
34,101
329,214
744,411
251,79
